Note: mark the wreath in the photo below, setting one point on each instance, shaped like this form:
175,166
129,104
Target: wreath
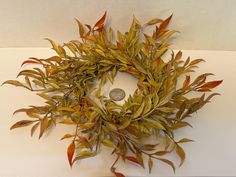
71,82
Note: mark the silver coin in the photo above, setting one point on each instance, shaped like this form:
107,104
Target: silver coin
117,94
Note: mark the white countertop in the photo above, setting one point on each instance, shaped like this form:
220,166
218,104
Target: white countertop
212,154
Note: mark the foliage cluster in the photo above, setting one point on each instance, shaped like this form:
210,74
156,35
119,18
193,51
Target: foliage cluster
157,108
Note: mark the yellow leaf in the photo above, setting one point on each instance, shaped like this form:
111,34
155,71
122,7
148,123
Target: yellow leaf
69,109
148,105
21,123
67,121
44,96
139,111
154,21
168,162
81,28
13,82
67,136
180,152
125,123
43,126
155,124
108,143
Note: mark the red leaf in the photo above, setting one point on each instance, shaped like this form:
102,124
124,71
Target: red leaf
118,44
165,23
211,85
133,159
132,71
158,61
186,82
29,62
101,21
89,27
70,152
113,170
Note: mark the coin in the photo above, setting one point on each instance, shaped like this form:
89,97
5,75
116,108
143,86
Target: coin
117,94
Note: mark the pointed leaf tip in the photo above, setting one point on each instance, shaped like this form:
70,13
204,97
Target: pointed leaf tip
70,152
101,21
211,85
166,22
180,152
186,82
117,174
21,123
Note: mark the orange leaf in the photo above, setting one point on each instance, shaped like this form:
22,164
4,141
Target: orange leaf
158,61
89,38
70,152
113,170
165,23
29,62
101,21
210,85
186,82
132,159
118,44
132,71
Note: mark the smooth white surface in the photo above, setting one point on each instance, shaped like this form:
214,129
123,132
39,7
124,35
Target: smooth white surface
213,153
204,24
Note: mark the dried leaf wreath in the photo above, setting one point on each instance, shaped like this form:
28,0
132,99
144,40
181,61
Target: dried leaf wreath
157,108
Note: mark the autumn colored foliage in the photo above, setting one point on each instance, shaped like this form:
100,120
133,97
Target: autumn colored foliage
157,109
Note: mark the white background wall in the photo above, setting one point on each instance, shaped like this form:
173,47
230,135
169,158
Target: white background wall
204,24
